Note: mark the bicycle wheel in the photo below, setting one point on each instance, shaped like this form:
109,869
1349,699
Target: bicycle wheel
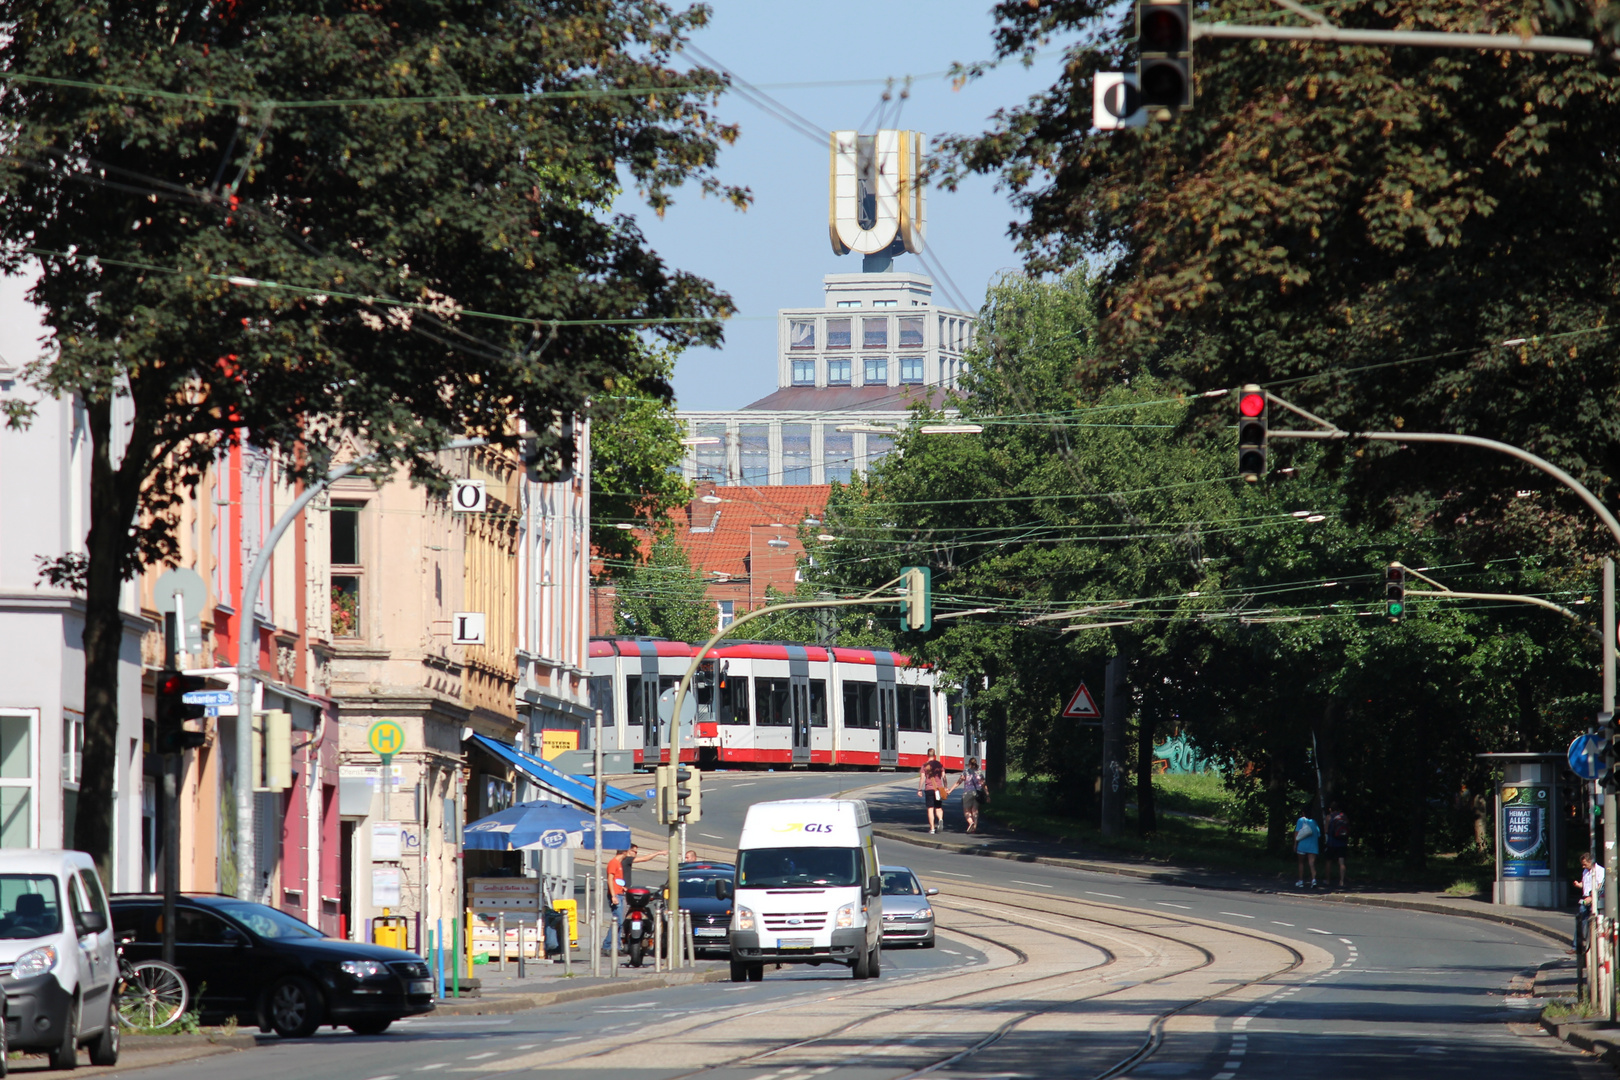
154,995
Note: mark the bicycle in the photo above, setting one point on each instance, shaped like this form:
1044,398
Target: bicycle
151,994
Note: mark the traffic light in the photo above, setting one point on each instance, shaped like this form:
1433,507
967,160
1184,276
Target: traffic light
918,604
534,460
529,450
173,711
1395,592
688,795
1252,430
1164,54
1610,749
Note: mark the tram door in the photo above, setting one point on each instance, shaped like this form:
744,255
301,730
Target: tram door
799,715
888,721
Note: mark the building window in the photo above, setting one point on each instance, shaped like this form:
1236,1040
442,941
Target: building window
72,770
796,459
346,575
754,444
885,303
838,456
849,303
911,332
877,370
804,373
17,779
875,333
837,333
911,369
711,456
838,372
878,447
727,611
802,334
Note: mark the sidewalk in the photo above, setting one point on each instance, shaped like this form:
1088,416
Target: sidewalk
895,816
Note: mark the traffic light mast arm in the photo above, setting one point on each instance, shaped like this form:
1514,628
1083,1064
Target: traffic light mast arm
869,599
1516,598
1423,39
1332,431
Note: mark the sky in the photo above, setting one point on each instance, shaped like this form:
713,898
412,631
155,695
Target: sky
775,254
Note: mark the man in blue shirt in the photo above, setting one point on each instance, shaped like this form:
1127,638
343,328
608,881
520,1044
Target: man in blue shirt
1307,837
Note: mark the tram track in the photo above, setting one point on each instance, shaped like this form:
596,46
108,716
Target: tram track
1105,918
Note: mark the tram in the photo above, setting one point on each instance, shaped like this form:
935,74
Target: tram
770,705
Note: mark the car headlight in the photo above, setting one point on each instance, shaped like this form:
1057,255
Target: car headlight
744,919
362,969
925,913
34,962
845,916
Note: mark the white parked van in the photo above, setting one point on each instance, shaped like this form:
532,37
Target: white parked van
807,888
58,963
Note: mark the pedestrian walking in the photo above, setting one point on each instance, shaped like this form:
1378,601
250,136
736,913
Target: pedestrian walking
931,786
617,877
1307,838
1337,838
975,793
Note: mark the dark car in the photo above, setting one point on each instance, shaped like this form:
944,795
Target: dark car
265,967
700,894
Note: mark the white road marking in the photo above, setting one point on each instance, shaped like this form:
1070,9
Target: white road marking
1325,933
565,1038
1224,1076
1239,914
750,783
485,1054
947,873
1037,884
438,1065
1233,1065
386,1076
1166,903
1350,943
1111,896
531,1046
1274,922
710,836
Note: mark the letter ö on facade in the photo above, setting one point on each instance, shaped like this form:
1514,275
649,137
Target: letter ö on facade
888,166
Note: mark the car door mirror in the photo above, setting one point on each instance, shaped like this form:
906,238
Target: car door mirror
230,935
90,922
723,889
930,892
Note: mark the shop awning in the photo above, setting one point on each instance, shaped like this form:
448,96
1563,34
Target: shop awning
579,790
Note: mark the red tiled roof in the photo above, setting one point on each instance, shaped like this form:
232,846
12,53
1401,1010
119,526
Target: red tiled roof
741,525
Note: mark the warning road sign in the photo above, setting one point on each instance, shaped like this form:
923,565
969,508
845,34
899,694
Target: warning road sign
1082,706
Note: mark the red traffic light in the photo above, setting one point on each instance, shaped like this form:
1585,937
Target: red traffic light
1164,30
1252,404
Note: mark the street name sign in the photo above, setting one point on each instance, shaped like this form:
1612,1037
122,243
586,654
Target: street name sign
209,697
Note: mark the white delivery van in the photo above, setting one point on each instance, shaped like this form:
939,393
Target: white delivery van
807,888
58,962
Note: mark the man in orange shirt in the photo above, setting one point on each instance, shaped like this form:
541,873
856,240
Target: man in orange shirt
616,891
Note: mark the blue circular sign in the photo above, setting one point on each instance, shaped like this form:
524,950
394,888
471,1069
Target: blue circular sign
1586,757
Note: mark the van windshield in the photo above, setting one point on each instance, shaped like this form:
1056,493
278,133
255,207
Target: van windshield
766,868
29,906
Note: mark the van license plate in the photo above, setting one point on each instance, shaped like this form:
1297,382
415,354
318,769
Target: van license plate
710,931
795,943
421,986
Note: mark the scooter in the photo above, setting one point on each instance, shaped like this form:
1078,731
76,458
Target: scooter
640,926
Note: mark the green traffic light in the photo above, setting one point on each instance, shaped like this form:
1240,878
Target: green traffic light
1396,608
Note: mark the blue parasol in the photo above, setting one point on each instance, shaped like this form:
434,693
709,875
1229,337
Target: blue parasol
542,824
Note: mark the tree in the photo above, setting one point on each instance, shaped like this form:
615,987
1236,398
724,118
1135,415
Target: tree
635,462
1407,238
664,597
284,222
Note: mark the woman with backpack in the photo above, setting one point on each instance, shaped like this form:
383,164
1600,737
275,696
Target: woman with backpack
1307,838
975,793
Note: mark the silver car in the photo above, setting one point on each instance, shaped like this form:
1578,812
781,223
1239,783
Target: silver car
908,917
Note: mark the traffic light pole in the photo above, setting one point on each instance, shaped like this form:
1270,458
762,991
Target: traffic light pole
871,598
1327,33
247,649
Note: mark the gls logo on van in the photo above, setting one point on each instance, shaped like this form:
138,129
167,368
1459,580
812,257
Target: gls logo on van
800,826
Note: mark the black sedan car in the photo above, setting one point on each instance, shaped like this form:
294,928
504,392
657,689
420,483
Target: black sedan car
265,967
700,894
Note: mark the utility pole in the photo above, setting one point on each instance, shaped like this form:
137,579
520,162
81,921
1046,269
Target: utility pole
1113,748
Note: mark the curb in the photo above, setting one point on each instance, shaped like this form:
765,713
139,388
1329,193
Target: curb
1583,1036
131,1041
511,1003
1171,878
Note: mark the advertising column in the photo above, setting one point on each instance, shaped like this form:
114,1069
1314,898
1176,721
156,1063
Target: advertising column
1529,868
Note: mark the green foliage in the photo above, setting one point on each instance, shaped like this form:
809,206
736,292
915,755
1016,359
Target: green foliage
635,458
1091,521
1417,239
664,597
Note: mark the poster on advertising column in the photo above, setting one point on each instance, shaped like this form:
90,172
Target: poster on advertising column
1526,830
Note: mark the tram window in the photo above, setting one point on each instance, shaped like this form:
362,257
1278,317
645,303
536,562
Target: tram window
911,707
772,705
818,702
734,699
635,716
955,714
703,684
600,690
860,705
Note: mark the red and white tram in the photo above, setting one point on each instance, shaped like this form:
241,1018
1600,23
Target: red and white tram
762,704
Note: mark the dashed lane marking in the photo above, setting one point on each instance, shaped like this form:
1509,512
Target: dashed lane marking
1237,914
1111,896
1274,922
1166,903
1324,933
480,1057
1037,884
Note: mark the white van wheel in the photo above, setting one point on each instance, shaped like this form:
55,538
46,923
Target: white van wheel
875,968
66,1053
